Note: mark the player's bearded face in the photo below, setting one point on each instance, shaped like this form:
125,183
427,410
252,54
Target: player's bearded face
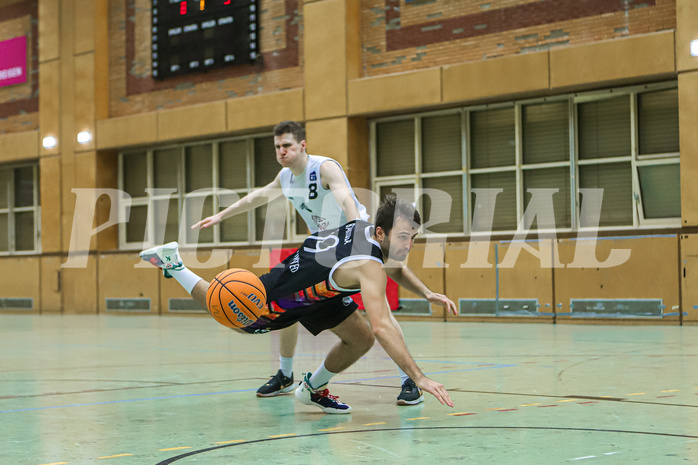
288,149
399,242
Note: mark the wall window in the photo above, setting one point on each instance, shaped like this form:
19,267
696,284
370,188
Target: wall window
19,209
170,188
499,163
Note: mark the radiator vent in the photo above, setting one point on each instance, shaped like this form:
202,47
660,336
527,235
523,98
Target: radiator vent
413,307
16,304
128,305
179,305
500,307
617,308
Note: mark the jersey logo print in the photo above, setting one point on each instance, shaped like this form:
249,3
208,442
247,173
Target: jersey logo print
322,223
313,176
305,207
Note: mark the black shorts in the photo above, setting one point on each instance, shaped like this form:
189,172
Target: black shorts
315,318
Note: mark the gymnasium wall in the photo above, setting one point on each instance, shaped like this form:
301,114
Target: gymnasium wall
335,64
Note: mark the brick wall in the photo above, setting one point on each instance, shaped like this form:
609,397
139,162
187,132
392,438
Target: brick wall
133,91
400,35
19,103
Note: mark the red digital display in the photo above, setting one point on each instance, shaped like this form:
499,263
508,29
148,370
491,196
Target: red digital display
183,8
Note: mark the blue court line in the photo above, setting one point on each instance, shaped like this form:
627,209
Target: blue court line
29,409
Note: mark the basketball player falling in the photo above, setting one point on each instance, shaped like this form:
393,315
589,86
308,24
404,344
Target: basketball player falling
340,262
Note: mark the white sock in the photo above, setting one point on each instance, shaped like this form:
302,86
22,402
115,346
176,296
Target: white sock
321,377
403,376
286,366
186,278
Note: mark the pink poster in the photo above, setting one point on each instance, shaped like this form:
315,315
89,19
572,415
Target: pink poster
13,61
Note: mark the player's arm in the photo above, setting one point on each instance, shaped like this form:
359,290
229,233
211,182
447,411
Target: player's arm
332,177
249,202
406,278
387,330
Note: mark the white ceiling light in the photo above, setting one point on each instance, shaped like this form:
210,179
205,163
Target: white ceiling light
694,48
84,137
49,142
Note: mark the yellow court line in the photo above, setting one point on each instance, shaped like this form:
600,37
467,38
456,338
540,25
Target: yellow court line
374,424
282,435
636,394
672,390
610,397
55,463
528,405
114,456
417,418
174,448
332,429
231,442
496,408
458,414
568,400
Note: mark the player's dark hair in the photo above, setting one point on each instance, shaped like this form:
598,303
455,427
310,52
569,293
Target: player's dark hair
392,207
290,127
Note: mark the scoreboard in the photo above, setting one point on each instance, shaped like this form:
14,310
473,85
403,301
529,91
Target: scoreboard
196,35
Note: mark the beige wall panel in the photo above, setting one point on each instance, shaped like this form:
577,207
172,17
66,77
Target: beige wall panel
50,191
354,39
426,261
80,288
688,121
84,30
395,92
651,272
83,172
107,178
469,283
120,278
329,138
493,77
634,57
264,110
101,49
254,259
84,90
49,103
689,277
20,280
127,131
51,283
325,59
193,121
528,278
48,30
686,31
19,146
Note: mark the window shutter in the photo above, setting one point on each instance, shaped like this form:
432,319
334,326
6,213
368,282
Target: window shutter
232,164
265,165
492,138
658,122
166,168
550,178
505,203
604,128
546,132
452,185
395,148
441,143
616,181
198,163
135,176
661,190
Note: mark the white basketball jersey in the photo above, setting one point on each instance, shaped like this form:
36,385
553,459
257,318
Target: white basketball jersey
316,205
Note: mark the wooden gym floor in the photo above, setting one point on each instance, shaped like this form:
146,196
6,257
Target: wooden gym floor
174,390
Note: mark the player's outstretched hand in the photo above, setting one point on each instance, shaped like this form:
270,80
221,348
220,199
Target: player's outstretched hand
440,299
436,389
207,222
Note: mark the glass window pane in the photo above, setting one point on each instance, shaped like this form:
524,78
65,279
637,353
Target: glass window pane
270,220
453,186
616,206
661,191
441,143
24,187
135,228
232,164
395,148
546,132
4,187
4,233
135,175
24,231
492,138
169,229
504,202
406,191
265,165
198,167
197,208
604,128
658,121
233,228
301,227
549,178
166,168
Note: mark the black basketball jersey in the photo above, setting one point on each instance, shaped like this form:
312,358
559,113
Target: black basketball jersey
305,277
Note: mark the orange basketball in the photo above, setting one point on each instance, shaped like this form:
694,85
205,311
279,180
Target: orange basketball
236,298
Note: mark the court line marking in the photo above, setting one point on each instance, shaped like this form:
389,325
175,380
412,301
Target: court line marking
175,448
115,456
55,463
332,429
234,441
374,424
515,428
